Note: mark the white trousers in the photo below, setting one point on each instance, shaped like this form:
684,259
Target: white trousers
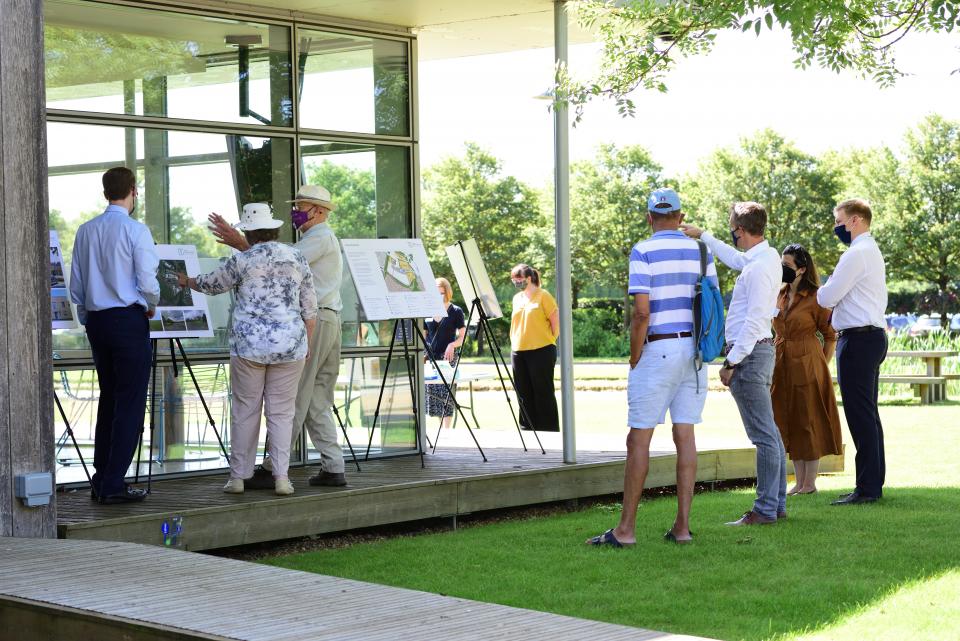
258,388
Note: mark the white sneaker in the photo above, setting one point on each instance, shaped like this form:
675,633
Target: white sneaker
234,486
282,487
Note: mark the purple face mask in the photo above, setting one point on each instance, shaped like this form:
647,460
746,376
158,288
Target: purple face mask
298,217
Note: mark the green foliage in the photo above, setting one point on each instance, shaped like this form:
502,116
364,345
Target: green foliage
185,230
916,202
470,198
796,189
643,39
599,331
608,197
355,194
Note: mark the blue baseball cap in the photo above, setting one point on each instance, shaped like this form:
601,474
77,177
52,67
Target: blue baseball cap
663,201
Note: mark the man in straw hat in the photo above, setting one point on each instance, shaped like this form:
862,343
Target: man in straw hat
318,243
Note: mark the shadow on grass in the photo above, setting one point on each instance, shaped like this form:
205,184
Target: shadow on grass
815,569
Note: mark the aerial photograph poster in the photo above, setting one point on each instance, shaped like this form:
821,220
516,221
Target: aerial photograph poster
181,312
393,278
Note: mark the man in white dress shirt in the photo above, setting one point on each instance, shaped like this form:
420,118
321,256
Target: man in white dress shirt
857,293
748,370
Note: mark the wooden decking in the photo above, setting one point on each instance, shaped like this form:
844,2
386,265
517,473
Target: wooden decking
86,590
194,514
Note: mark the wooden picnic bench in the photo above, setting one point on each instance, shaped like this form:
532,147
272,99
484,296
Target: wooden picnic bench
936,385
930,387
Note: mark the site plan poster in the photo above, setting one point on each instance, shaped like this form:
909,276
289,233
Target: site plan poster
60,307
181,312
472,277
393,278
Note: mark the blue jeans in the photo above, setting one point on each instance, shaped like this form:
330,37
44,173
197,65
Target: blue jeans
750,386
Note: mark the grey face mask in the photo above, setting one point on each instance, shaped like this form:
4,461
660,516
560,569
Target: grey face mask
520,284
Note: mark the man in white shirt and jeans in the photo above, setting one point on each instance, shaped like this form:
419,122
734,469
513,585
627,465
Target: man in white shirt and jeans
748,370
857,293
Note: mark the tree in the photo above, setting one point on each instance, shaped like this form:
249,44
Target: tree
185,230
795,188
355,194
916,205
608,215
468,197
643,39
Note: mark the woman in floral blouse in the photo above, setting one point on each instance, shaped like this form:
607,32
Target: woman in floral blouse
273,318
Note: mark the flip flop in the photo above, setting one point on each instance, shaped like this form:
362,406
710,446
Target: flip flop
607,538
669,536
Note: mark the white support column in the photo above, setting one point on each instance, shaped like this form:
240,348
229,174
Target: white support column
561,151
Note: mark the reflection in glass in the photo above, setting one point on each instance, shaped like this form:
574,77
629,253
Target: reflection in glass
124,60
370,185
368,75
183,438
358,388
183,176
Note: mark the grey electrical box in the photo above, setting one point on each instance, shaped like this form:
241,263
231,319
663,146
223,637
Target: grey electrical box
34,489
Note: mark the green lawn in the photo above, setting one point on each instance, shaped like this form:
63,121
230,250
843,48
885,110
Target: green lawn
884,572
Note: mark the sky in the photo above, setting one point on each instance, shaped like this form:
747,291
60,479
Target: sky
745,84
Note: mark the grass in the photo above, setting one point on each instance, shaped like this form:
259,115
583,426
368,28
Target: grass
887,572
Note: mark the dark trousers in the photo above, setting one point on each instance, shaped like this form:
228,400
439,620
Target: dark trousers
533,377
120,339
859,355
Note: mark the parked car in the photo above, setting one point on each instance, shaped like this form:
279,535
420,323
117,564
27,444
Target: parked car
955,324
926,325
899,323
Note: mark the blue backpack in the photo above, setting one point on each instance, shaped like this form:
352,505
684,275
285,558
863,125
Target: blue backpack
707,314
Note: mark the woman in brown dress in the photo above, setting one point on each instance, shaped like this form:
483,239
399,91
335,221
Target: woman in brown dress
804,404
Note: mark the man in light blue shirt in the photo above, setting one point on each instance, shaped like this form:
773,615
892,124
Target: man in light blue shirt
114,286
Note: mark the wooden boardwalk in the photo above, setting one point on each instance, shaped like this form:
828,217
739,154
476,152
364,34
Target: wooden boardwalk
54,589
194,514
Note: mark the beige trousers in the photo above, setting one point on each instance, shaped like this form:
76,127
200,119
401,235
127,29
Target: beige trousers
314,407
257,387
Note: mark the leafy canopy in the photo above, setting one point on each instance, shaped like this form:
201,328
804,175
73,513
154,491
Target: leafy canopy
643,39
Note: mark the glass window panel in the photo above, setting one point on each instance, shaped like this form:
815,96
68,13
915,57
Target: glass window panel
353,83
357,391
370,184
183,176
124,60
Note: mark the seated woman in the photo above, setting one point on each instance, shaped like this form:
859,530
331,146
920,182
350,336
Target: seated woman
444,335
274,316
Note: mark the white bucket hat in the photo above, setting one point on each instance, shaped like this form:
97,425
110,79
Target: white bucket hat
257,216
314,194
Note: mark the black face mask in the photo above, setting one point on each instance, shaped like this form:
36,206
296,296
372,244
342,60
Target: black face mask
789,274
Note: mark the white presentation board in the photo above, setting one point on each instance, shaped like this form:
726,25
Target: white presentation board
393,278
60,307
181,312
472,278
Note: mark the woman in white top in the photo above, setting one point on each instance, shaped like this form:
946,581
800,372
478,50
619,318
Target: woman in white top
273,318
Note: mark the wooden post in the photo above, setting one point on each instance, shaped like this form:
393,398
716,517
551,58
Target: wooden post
26,376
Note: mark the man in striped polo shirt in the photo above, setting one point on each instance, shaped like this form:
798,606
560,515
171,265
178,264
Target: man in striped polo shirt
663,374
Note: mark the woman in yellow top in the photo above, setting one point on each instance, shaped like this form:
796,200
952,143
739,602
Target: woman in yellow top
534,328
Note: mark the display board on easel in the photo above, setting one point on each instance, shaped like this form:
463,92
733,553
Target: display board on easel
181,312
471,274
393,278
61,310
394,281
